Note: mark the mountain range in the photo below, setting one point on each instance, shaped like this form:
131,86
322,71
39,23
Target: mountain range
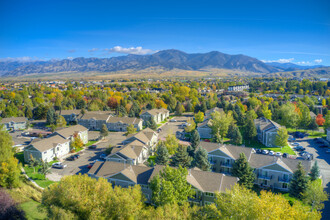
166,59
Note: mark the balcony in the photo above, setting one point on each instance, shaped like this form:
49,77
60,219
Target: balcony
283,180
212,162
265,177
228,165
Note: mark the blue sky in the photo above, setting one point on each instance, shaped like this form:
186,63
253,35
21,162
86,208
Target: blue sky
296,31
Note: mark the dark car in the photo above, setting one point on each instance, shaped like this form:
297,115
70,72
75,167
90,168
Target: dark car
285,155
76,156
300,148
94,146
323,146
71,158
258,151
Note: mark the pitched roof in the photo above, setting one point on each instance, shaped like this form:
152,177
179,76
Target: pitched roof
202,180
144,135
138,174
68,132
95,115
131,150
155,111
265,124
69,112
209,112
48,143
256,160
14,119
125,120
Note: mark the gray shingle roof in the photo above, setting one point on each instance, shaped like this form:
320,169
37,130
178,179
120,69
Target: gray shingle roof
68,132
124,120
13,119
48,143
202,180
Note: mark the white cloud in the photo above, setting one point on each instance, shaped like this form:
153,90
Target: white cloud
70,58
93,50
318,61
131,50
303,63
289,60
19,59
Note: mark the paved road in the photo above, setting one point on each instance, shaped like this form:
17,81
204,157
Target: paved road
323,160
173,127
87,156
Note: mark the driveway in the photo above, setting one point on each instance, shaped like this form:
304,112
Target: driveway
173,127
86,157
323,160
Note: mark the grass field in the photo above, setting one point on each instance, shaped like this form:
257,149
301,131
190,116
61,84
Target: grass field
257,144
89,143
311,134
33,210
33,174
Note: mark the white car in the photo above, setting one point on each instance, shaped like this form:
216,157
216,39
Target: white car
173,120
295,144
59,165
278,154
271,153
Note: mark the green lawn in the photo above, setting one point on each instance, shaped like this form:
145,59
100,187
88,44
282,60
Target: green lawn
311,134
89,143
257,144
37,177
33,210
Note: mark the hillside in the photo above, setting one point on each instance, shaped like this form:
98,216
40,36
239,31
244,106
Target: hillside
166,59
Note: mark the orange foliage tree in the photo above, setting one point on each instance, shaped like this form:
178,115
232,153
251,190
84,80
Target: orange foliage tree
320,120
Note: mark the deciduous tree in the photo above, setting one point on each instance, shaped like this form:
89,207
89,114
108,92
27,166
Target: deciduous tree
281,139
170,186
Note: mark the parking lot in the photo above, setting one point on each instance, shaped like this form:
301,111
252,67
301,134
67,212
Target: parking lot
87,156
323,160
172,127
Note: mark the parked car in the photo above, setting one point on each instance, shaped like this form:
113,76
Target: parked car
265,152
285,155
300,148
103,156
59,165
159,130
173,120
94,146
271,153
295,144
300,134
291,138
71,158
258,151
76,156
278,154
323,146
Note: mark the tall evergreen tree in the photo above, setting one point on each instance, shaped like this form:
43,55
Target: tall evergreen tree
178,109
298,183
135,110
162,155
121,111
104,131
239,115
195,140
181,157
51,116
250,130
201,159
152,124
315,171
243,171
236,136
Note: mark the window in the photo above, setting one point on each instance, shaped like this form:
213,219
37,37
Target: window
144,186
284,185
285,176
209,194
